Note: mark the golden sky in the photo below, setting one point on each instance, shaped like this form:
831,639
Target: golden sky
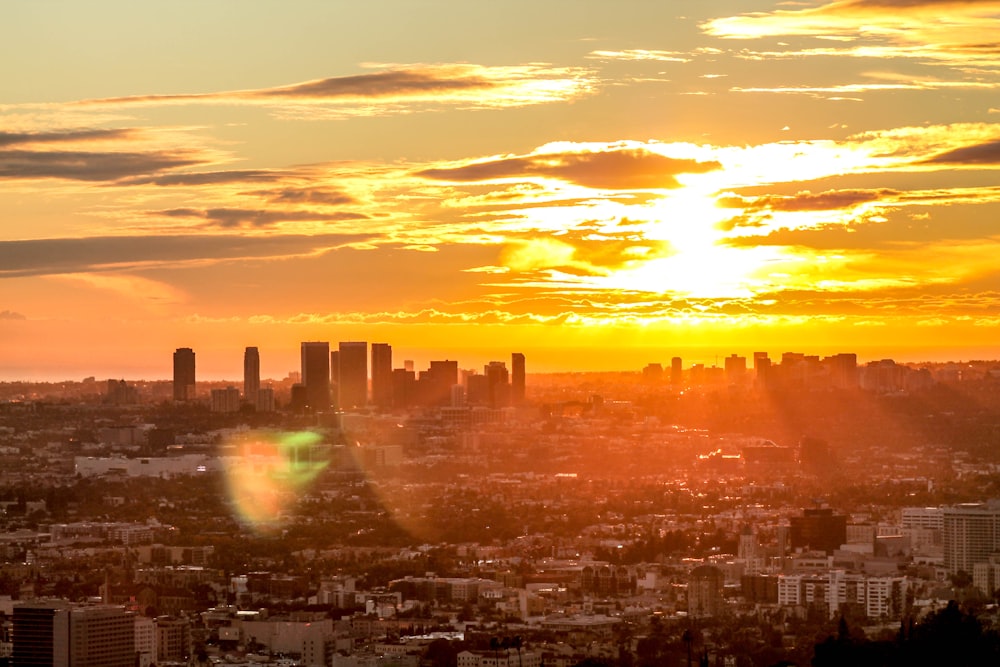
597,184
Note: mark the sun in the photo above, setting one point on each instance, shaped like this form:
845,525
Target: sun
696,261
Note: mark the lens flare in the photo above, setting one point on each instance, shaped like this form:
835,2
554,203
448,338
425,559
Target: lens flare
268,474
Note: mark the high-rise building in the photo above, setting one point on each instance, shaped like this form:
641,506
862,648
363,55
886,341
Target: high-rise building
762,369
57,634
251,374
704,592
497,384
517,378
736,369
225,400
352,379
335,378
434,384
971,534
676,371
382,375
316,375
184,374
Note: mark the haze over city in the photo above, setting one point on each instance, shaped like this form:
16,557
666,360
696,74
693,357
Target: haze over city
596,184
427,333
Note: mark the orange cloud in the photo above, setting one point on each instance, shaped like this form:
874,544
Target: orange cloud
396,88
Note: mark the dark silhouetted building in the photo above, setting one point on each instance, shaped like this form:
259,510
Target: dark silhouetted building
352,378
818,529
184,374
382,375
517,378
316,374
404,387
251,374
434,385
676,371
652,372
736,369
498,386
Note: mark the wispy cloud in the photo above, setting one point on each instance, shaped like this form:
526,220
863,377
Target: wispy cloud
89,165
642,54
87,255
66,136
228,218
395,89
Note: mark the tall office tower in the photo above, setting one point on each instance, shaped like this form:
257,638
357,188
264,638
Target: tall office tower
404,384
335,379
382,375
676,371
843,370
353,376
736,369
184,374
517,378
971,534
316,375
762,369
497,385
57,634
251,374
434,385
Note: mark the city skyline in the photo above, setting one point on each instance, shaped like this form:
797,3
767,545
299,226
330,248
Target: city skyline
597,185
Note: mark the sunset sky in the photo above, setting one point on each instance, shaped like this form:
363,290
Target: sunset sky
597,184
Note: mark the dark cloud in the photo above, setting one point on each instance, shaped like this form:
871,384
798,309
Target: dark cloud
310,196
830,200
436,83
69,255
11,315
620,169
379,84
240,217
987,153
87,166
13,138
207,178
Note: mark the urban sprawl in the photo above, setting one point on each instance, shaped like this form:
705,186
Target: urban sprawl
800,510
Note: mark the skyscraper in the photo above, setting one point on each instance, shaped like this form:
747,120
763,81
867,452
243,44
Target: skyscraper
382,375
517,378
676,371
316,374
183,374
498,388
353,376
251,374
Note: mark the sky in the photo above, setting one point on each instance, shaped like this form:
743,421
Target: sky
596,184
